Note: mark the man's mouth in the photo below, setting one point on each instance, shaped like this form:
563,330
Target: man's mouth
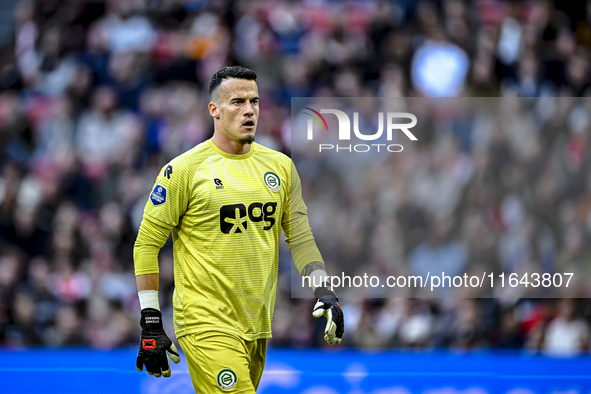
248,123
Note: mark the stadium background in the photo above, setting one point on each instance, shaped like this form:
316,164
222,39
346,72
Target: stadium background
95,96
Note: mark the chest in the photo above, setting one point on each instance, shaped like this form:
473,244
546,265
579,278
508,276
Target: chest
241,191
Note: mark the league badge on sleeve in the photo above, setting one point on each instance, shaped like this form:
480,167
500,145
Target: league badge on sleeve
158,196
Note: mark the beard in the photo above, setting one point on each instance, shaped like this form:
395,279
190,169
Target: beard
247,140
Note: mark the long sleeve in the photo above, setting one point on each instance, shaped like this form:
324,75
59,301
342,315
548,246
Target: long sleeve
150,239
296,226
166,204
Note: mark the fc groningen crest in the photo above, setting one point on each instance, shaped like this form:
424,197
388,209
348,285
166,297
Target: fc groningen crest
272,181
227,379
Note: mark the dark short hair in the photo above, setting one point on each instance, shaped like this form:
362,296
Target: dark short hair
230,72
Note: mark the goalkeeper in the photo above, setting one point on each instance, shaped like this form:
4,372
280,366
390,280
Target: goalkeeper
225,201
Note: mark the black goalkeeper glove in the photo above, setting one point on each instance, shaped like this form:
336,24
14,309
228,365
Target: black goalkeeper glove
328,305
154,344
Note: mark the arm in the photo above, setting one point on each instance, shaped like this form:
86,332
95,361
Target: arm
298,234
167,203
315,274
151,238
309,262
147,282
154,343
313,266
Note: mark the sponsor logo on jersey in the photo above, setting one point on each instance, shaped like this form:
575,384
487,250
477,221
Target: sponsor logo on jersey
218,183
227,379
272,181
158,196
234,218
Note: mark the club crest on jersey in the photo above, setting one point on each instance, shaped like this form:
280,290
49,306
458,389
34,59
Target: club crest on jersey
227,379
272,181
158,196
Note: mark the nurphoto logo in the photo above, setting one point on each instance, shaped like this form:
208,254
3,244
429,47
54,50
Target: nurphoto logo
344,132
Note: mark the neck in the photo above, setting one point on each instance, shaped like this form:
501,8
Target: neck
230,146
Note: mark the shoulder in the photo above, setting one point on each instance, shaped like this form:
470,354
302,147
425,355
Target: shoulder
190,161
271,155
277,162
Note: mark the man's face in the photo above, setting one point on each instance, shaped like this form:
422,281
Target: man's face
237,109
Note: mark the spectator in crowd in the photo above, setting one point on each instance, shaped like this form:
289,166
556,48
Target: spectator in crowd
567,334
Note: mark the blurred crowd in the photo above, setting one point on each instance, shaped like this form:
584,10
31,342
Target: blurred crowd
495,185
96,96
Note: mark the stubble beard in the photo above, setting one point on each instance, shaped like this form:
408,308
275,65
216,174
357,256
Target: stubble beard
247,140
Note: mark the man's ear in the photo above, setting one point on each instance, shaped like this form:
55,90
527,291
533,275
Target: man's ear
214,111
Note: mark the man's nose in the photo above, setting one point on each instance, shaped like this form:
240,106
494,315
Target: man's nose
249,110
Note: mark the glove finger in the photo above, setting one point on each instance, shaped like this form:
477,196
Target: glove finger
339,320
152,367
319,309
330,329
174,354
163,363
139,363
167,372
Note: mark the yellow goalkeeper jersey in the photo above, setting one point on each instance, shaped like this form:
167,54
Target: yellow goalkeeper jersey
226,213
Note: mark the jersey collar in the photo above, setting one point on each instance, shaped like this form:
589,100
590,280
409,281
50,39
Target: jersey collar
230,156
